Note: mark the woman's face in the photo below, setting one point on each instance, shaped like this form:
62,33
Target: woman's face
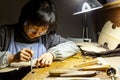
33,31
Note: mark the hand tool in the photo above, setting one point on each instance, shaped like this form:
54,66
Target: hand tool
111,72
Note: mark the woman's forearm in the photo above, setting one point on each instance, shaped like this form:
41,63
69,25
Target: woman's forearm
64,50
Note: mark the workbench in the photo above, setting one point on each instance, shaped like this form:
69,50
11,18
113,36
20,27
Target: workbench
43,73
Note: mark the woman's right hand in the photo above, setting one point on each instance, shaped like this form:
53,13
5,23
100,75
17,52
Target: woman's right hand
23,55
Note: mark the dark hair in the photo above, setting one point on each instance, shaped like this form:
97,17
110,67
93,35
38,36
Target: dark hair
39,12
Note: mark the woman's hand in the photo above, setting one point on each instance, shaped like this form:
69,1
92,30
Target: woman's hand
44,60
23,55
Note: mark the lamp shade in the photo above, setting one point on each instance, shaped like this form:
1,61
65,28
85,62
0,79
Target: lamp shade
88,5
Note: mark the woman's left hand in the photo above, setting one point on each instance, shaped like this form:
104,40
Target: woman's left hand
44,60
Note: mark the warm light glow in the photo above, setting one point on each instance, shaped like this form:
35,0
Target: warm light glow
89,5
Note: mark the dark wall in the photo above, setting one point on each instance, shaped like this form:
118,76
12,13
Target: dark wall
69,25
9,10
102,1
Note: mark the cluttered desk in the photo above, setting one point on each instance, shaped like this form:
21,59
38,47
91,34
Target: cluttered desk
74,68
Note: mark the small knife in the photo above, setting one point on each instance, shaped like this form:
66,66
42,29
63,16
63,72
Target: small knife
31,64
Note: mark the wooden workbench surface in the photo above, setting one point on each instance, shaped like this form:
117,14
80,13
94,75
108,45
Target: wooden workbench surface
42,73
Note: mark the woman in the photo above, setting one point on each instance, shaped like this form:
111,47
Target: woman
34,36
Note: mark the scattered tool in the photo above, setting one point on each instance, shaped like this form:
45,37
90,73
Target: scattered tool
58,72
31,64
95,64
79,74
87,63
71,73
95,67
111,72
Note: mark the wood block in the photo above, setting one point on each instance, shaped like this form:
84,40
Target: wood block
79,74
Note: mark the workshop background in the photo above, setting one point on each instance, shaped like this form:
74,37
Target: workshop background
69,25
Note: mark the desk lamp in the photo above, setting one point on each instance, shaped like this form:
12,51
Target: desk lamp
87,6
